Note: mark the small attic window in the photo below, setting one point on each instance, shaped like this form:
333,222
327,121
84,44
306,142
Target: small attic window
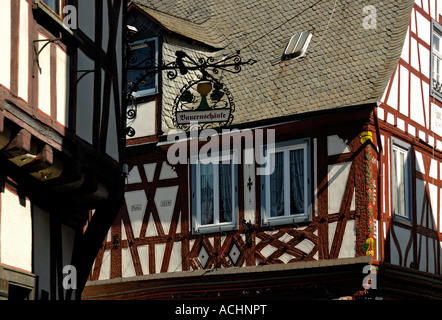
297,46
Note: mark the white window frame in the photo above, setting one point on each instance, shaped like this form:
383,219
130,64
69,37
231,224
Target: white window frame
287,218
216,226
403,148
150,91
436,55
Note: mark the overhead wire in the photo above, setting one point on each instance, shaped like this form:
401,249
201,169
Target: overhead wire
283,23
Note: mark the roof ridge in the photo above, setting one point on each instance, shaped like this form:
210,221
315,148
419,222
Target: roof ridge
170,14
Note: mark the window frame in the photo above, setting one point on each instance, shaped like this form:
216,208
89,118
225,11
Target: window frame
54,22
60,4
217,226
287,218
404,148
151,91
436,29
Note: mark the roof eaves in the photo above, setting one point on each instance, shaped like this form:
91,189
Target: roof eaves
203,33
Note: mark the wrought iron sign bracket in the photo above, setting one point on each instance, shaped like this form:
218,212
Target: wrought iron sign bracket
221,106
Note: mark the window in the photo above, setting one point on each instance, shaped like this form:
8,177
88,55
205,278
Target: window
400,179
436,61
54,5
215,193
297,46
286,190
142,56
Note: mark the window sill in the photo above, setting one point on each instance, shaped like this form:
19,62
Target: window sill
436,95
215,228
402,220
276,221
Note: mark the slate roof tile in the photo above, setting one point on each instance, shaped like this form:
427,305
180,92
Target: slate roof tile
345,63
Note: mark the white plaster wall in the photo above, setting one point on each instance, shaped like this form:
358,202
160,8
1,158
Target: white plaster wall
136,202
337,181
165,199
44,77
144,123
134,176
175,258
143,254
5,43
105,266
16,231
23,51
62,86
348,247
336,145
127,268
167,172
149,169
159,255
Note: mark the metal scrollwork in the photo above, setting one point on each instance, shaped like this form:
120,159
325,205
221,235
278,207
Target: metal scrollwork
216,102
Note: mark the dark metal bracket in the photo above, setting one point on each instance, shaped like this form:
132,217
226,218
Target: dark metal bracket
37,52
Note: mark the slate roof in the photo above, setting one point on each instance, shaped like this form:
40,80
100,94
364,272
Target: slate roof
203,32
345,65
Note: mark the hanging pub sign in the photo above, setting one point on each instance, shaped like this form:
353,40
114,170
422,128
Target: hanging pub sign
205,101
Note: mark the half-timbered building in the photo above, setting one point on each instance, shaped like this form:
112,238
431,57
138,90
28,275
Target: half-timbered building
61,141
350,92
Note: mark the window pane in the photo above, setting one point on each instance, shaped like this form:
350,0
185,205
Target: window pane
436,42
225,192
206,193
277,186
297,181
399,177
54,5
141,57
395,183
401,185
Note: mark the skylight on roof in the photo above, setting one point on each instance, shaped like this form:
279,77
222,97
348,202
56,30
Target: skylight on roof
297,46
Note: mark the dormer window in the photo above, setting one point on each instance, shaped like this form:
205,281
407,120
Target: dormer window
142,59
297,46
436,62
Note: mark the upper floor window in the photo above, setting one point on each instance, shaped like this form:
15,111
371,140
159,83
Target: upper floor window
400,179
142,57
215,193
436,62
286,190
54,5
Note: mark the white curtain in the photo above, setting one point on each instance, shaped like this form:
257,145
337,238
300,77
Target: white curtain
206,177
225,192
277,186
297,181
